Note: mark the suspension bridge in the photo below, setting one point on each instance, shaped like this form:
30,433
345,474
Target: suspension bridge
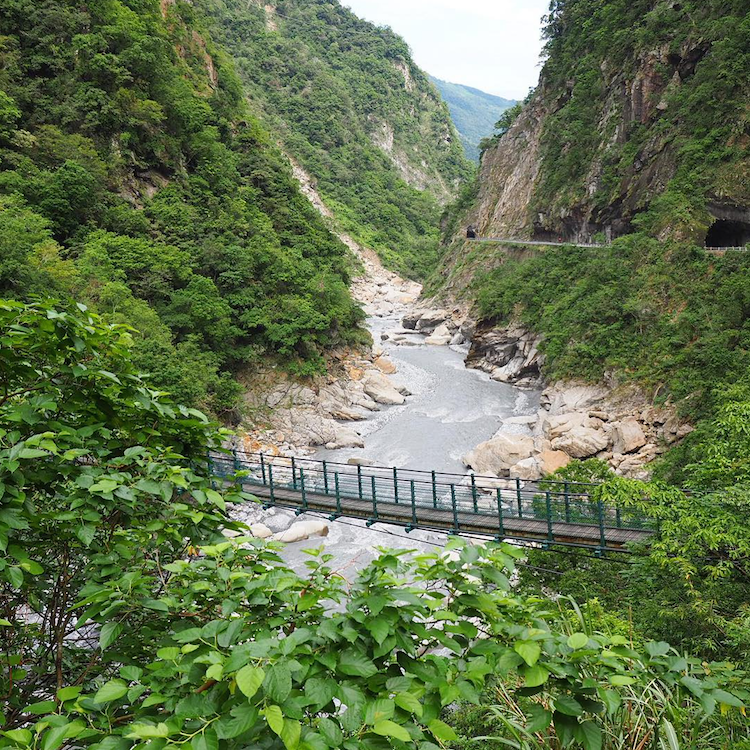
550,512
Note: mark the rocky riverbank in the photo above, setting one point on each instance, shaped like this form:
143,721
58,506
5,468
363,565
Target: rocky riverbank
614,422
297,418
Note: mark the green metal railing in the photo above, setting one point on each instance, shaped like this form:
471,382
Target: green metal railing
552,512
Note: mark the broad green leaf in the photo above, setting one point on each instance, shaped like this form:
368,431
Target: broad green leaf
442,731
42,707
379,628
275,718
249,679
290,734
15,577
621,680
529,651
206,740
589,735
535,676
357,664
409,702
109,634
388,728
144,731
568,705
111,691
320,691
278,682
67,693
578,640
331,732
54,737
722,696
539,718
19,736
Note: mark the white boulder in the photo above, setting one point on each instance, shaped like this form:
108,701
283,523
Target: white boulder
581,442
380,389
496,456
302,530
628,436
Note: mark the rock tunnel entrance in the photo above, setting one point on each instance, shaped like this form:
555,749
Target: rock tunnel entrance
728,233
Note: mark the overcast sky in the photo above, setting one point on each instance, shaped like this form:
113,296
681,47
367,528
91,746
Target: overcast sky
492,45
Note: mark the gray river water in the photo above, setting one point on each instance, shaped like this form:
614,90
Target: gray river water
451,410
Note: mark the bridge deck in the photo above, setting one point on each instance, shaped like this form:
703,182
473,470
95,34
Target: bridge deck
550,512
436,519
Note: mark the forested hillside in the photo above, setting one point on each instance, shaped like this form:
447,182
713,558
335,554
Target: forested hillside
133,177
473,111
348,103
637,131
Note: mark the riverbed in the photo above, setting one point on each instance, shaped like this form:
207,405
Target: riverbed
450,410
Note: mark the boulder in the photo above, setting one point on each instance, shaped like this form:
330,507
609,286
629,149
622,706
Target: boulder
458,339
410,321
496,456
345,437
360,461
380,389
260,531
385,365
441,336
628,436
431,319
528,469
551,460
302,530
581,442
556,426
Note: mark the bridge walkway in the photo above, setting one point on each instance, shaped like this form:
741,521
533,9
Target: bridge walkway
548,512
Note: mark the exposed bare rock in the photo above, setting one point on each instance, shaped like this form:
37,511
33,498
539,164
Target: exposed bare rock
497,455
431,319
551,460
260,531
628,436
385,365
345,437
527,469
441,336
302,530
581,442
380,389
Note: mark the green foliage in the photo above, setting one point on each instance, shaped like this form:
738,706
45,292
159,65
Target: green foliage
132,176
126,617
669,316
333,86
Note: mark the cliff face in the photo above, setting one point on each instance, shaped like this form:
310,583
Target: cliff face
639,121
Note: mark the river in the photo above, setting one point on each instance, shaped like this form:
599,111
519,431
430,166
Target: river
450,411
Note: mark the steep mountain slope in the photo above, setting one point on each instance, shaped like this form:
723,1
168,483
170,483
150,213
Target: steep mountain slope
640,119
133,177
349,104
639,125
474,112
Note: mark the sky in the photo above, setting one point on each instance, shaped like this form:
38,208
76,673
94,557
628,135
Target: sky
493,45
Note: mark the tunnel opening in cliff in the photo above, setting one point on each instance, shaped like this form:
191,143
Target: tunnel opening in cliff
728,233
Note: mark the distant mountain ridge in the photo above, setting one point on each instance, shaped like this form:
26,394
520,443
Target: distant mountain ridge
474,112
